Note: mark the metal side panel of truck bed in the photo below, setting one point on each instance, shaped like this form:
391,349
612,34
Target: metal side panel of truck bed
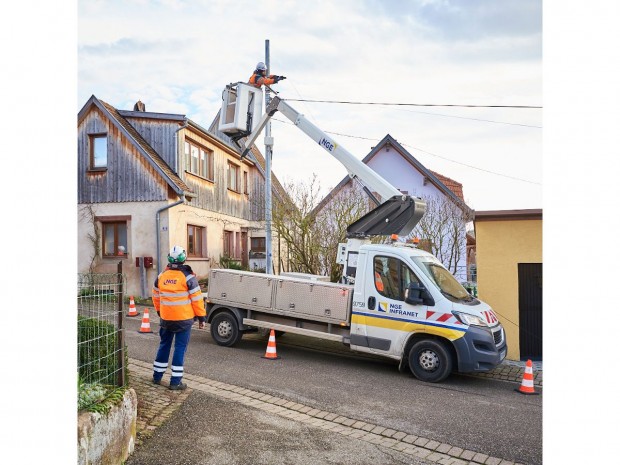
282,295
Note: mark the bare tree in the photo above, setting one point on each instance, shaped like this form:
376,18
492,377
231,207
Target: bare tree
292,220
312,235
347,206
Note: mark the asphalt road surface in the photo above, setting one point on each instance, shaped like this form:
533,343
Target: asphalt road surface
481,415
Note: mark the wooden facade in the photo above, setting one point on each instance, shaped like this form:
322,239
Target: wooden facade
128,176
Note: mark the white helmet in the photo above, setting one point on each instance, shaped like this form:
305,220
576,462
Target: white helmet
261,66
177,255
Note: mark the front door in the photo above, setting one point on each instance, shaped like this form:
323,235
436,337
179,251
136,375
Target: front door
530,311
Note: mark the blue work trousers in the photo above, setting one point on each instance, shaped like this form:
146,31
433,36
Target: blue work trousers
181,341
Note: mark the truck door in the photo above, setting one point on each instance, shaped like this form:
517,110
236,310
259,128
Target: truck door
390,319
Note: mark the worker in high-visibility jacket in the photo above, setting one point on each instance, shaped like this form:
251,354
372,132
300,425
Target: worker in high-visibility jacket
178,301
259,76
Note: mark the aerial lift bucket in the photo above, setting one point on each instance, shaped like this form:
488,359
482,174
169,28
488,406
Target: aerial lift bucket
242,107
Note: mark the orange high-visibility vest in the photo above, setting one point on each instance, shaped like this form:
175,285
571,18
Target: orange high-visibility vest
257,80
177,295
378,282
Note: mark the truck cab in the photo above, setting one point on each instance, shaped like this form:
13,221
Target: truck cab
409,307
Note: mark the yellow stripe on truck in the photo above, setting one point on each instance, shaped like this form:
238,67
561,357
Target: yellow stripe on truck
408,327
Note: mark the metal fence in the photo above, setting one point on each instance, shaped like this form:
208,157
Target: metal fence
101,346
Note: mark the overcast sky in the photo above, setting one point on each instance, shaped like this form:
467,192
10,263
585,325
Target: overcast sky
177,56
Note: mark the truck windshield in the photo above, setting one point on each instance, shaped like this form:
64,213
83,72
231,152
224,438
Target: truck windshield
448,285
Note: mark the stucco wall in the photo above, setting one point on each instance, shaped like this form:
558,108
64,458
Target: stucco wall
141,241
500,246
215,224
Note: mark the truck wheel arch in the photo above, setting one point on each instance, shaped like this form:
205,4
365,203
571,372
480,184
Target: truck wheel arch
217,309
416,337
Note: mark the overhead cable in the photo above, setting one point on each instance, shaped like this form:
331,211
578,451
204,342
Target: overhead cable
415,104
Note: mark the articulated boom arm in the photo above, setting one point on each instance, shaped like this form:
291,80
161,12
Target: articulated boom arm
397,215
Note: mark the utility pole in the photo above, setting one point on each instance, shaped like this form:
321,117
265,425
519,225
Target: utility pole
268,152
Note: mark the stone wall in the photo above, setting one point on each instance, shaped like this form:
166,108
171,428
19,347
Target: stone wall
108,439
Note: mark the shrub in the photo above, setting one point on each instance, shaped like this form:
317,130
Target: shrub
231,263
97,361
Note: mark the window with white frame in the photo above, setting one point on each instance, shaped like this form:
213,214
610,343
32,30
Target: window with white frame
233,177
198,160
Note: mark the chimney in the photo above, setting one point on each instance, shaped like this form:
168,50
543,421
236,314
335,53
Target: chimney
139,106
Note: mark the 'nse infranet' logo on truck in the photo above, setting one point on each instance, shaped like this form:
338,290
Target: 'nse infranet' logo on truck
396,309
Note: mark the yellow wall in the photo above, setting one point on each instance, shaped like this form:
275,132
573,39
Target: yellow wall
500,246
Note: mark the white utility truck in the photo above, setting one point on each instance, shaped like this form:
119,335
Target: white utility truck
395,301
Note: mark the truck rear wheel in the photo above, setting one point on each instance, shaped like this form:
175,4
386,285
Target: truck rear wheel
430,361
225,330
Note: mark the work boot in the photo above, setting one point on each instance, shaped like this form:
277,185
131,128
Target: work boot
177,387
156,381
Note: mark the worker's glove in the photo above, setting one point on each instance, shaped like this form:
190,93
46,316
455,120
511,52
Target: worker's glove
279,78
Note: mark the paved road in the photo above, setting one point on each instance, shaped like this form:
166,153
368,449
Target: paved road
482,415
208,430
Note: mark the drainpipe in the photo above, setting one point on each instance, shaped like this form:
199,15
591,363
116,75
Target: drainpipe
157,226
176,145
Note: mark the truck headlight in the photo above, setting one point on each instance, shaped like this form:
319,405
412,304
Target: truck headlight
468,319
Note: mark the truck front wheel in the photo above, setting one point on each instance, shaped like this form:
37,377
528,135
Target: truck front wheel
430,361
225,330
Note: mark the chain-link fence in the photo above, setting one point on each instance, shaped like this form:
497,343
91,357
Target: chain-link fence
101,357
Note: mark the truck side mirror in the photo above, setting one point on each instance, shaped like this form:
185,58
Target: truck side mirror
416,294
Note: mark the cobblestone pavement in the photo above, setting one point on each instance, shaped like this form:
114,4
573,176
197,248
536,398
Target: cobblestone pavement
510,370
155,405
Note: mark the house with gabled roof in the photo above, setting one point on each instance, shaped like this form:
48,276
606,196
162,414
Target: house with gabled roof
401,169
148,181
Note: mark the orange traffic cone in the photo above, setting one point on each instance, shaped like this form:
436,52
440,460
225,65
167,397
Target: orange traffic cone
527,385
270,354
146,324
132,308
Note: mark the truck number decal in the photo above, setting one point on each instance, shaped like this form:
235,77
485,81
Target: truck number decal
327,144
358,304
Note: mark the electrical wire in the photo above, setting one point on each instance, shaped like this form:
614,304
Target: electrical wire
474,119
428,153
415,104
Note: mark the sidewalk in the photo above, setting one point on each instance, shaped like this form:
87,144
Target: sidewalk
156,405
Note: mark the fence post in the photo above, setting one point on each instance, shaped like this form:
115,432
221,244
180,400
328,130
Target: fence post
120,335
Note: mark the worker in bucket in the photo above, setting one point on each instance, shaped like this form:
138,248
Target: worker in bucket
178,300
260,78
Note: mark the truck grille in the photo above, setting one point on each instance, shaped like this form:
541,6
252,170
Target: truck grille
497,336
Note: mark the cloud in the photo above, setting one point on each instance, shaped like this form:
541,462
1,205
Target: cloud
177,57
